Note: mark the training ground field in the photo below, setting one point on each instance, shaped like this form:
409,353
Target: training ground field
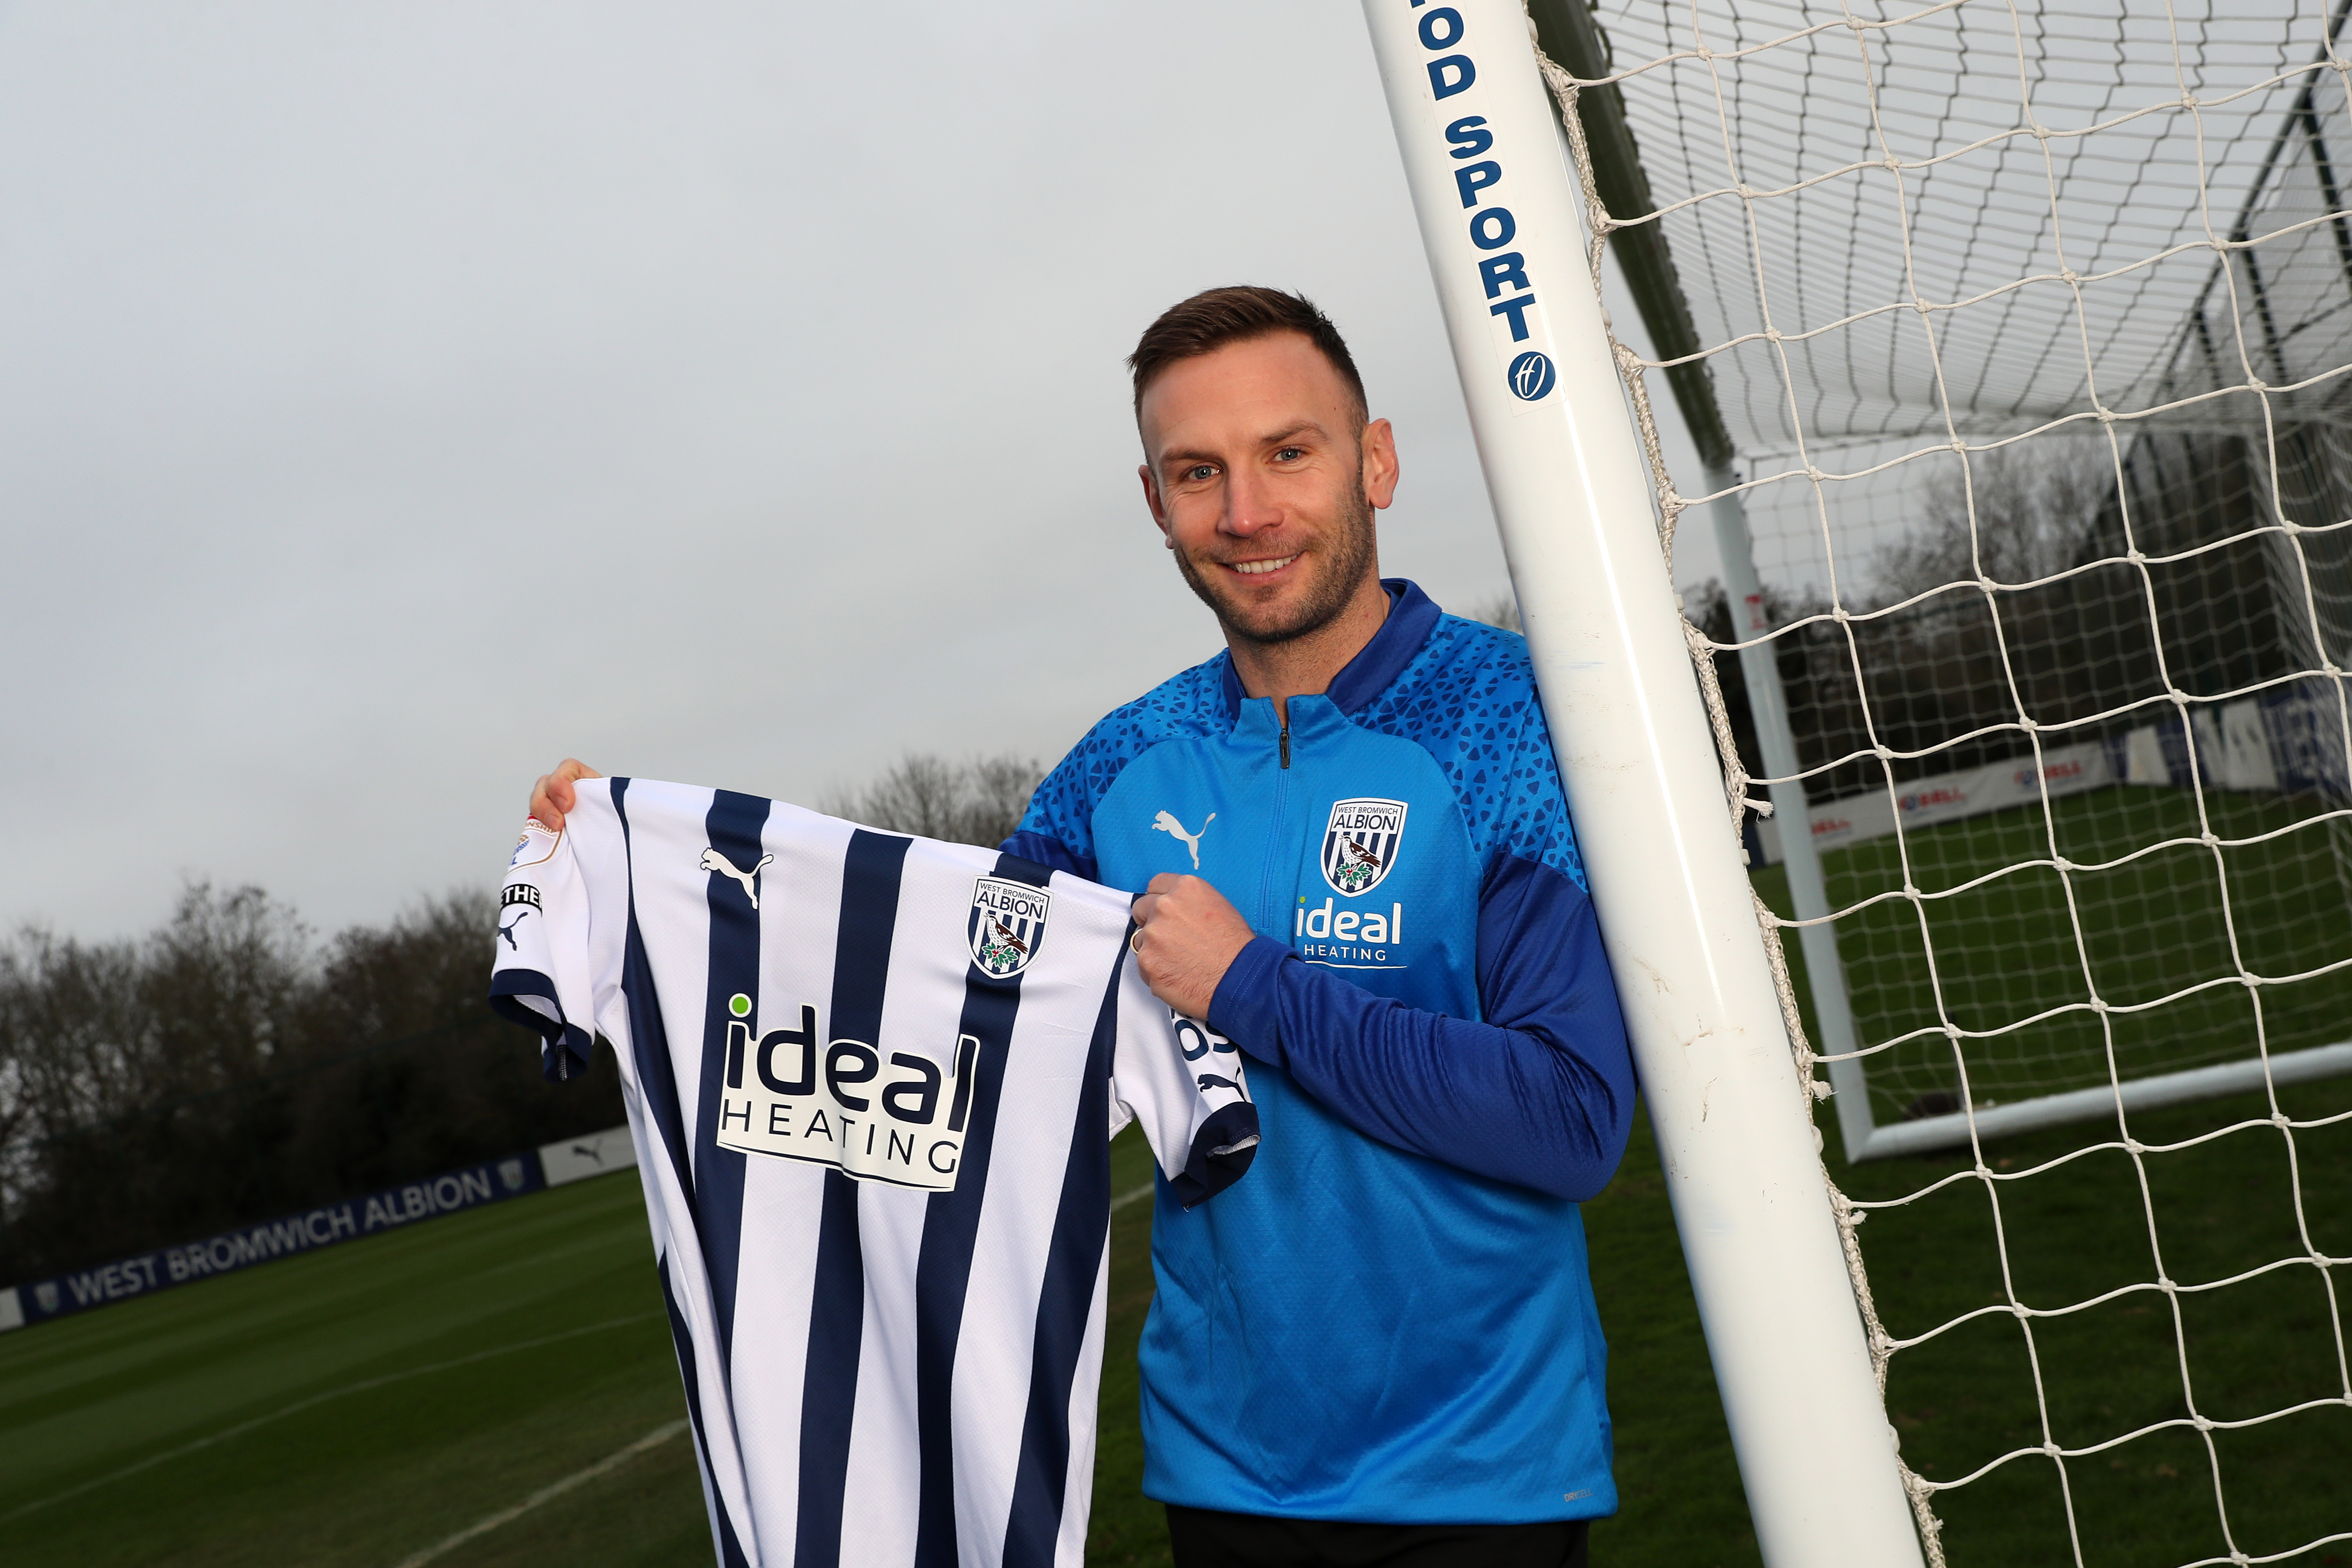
372,1403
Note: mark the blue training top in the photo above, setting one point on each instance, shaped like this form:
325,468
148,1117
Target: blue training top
1390,1320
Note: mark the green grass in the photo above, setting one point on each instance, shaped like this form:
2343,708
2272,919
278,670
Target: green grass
367,1475
309,1411
360,1441
2102,1222
2081,1230
2152,924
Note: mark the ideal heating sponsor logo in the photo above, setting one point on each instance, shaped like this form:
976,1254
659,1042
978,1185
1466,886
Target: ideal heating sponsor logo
1349,939
895,1116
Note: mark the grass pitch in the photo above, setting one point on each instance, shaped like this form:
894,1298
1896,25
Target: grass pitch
2239,1222
360,1405
2274,901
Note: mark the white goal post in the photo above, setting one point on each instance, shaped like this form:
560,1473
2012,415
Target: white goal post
2014,338
1571,495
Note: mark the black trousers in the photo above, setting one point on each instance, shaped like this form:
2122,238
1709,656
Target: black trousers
1204,1538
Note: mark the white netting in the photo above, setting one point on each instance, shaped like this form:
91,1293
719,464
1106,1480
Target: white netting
2030,328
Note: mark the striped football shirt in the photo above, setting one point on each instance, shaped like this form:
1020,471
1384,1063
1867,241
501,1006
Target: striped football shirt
872,1080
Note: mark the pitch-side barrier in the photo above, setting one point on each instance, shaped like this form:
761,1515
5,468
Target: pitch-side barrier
390,1209
2284,742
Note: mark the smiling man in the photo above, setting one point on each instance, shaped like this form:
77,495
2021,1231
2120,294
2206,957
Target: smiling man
1357,866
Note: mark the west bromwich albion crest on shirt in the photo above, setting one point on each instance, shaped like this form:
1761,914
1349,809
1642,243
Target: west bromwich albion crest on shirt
871,1080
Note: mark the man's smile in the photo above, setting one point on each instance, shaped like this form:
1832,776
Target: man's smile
1259,568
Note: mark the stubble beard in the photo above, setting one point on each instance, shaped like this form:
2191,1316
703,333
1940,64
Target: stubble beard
1353,552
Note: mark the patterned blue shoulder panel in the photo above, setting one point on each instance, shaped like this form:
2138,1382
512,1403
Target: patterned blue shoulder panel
1468,699
1188,705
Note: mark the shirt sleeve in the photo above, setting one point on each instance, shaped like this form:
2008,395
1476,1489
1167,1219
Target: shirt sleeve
1185,1083
540,977
1049,852
1539,1093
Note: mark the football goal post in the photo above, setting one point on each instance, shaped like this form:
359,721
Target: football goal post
2010,344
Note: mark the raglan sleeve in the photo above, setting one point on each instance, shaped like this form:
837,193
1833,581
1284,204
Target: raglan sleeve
1187,1088
540,977
1055,829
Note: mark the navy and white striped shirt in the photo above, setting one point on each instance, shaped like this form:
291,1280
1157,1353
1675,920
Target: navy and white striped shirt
871,1080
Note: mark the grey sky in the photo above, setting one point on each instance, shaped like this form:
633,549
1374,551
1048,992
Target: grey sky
398,398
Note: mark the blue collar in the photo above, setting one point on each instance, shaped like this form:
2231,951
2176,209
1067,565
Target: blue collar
1412,615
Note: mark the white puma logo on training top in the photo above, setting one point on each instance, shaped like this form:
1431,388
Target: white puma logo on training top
712,861
1175,829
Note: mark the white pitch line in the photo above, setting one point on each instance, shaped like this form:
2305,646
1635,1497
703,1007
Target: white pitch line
1120,1202
226,1433
652,1439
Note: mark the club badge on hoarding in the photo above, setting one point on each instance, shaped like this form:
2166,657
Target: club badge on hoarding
510,1172
1008,923
1361,844
46,1293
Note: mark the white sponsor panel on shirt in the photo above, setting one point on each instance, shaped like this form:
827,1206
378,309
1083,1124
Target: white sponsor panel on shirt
592,1154
1948,797
799,1098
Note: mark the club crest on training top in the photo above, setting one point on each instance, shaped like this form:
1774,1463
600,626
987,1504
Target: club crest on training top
1007,925
1361,844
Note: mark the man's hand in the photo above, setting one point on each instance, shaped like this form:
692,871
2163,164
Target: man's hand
552,796
1190,936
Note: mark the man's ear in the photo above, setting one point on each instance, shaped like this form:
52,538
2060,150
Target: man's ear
1381,470
1152,498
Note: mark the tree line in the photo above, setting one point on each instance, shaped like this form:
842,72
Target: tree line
2011,596
232,1064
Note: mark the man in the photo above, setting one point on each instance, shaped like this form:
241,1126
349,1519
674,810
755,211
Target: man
1382,1348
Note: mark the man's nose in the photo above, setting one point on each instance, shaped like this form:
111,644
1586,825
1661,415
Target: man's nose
1250,505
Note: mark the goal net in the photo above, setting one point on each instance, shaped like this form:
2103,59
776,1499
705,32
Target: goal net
2015,342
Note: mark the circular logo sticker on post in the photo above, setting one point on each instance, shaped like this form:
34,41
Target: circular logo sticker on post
1532,375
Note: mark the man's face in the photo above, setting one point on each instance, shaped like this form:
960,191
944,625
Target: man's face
1264,476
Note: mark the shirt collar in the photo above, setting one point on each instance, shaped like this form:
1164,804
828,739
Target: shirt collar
1412,615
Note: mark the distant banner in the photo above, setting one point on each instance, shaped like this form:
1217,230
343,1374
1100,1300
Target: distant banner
591,1154
2289,740
265,1243
1945,797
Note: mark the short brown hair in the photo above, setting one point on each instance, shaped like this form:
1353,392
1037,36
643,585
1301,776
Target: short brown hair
1215,317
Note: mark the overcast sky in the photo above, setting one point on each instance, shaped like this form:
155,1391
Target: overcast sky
398,398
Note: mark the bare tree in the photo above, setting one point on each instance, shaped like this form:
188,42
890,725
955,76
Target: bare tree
1498,610
979,801
229,1066
2017,515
